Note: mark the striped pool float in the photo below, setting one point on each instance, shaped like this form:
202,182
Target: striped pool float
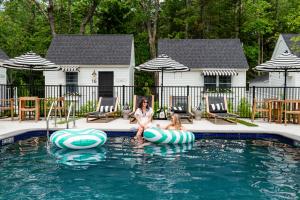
167,150
78,138
79,157
157,135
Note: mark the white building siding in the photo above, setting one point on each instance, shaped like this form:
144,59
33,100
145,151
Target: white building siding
276,78
192,78
3,75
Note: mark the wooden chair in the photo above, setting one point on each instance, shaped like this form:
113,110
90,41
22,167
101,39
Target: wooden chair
217,108
59,106
292,111
29,105
7,104
181,105
264,107
136,101
107,109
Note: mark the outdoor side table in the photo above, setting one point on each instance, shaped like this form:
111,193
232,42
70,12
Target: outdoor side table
29,104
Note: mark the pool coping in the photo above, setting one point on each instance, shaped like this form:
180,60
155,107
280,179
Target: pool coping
14,136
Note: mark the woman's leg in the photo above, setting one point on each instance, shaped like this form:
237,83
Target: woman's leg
139,132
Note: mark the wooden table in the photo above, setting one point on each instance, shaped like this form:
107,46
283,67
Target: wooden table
276,107
29,104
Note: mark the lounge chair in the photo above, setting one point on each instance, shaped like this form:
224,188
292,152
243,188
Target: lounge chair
217,108
7,104
106,109
136,101
181,105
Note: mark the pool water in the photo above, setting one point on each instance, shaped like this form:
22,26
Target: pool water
208,169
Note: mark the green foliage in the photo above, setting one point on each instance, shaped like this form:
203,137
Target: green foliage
244,108
25,27
88,107
229,106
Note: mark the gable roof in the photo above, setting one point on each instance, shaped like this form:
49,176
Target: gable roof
106,49
291,44
205,53
3,55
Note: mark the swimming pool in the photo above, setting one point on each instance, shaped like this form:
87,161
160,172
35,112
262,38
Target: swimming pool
208,169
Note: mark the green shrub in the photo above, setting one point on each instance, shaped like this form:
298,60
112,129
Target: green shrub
244,108
88,107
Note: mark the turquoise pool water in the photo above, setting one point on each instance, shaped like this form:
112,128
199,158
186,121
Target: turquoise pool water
209,169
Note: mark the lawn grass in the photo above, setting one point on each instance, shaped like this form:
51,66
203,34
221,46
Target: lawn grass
244,122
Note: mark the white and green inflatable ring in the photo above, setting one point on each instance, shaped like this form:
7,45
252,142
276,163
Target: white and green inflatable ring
157,135
78,138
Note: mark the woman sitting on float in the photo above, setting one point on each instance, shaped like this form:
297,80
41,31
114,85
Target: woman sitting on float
143,115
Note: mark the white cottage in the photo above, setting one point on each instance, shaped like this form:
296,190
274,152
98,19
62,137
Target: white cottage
276,79
212,62
3,77
3,57
91,60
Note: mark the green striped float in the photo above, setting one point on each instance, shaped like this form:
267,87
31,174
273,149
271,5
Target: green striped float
78,138
157,135
167,149
79,157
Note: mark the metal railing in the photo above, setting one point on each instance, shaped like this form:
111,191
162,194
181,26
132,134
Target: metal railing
71,108
48,117
85,98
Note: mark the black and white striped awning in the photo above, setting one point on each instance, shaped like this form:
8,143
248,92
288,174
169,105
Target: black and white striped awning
163,63
30,61
70,68
219,72
284,62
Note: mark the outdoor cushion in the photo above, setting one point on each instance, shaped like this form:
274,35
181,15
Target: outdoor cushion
178,109
105,109
217,108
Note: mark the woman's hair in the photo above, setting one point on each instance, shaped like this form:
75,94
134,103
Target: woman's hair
141,103
176,121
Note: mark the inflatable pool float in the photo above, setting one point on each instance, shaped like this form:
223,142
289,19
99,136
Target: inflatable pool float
157,135
167,150
78,138
80,157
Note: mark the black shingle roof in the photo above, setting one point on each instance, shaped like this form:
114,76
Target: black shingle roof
205,53
3,55
90,49
291,44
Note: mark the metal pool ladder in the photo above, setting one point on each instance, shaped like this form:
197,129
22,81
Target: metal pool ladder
71,109
48,116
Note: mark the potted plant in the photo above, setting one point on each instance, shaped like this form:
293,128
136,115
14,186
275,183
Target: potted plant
126,110
197,112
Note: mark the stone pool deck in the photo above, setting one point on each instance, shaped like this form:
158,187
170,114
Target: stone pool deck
10,128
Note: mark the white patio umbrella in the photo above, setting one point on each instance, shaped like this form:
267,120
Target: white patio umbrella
285,62
162,63
30,61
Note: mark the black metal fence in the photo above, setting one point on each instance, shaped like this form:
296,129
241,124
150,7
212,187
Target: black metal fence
240,99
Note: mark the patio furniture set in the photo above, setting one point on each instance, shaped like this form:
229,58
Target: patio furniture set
280,111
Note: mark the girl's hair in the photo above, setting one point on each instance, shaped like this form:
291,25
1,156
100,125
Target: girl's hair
176,121
141,103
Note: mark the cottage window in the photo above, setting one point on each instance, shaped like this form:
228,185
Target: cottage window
225,81
210,82
71,82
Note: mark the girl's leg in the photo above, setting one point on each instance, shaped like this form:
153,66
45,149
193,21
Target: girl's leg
139,132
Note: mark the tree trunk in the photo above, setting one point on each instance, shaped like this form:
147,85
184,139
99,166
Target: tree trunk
258,55
187,2
50,10
70,15
89,16
237,18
